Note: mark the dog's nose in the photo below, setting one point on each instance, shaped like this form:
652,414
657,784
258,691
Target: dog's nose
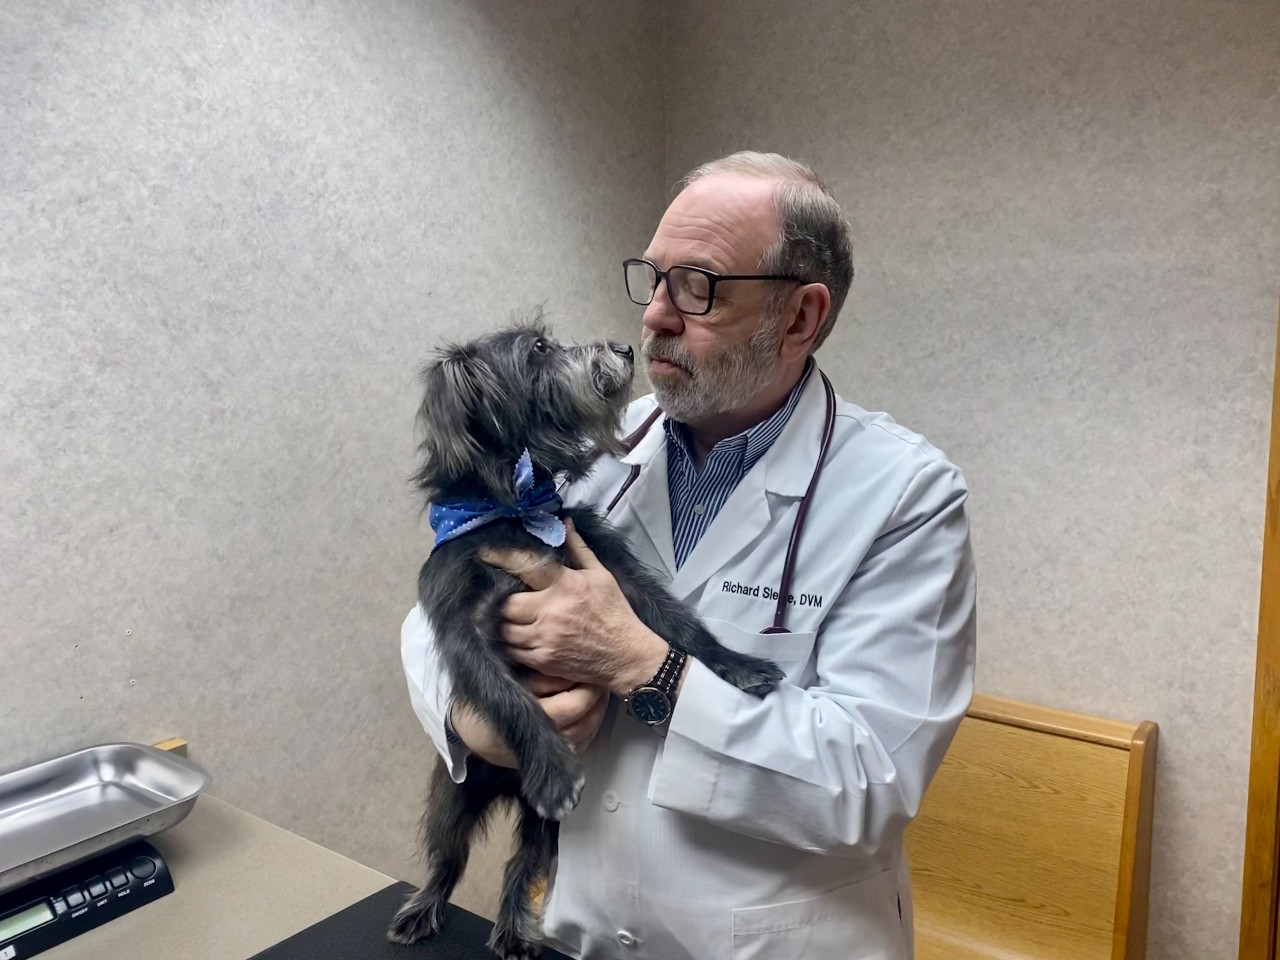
623,350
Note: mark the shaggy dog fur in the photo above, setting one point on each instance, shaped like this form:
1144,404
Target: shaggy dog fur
485,403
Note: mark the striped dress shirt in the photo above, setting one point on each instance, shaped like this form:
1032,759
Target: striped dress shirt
696,497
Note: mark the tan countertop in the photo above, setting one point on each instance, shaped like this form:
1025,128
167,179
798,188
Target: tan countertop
241,885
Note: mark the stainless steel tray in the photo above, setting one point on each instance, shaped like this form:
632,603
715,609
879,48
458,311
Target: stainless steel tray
61,811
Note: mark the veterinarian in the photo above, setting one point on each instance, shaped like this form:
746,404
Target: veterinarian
716,825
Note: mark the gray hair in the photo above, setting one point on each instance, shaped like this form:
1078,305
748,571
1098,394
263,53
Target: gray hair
814,241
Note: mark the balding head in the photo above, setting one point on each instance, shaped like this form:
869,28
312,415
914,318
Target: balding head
810,236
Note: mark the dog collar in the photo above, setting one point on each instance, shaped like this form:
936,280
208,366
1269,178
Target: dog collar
535,506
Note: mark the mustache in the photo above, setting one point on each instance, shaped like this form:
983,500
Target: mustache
668,349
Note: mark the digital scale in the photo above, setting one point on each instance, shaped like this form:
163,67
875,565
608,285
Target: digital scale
73,840
55,909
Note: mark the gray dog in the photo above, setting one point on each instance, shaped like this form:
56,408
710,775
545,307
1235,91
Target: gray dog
517,404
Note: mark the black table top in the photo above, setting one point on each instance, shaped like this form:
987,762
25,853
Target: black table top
359,933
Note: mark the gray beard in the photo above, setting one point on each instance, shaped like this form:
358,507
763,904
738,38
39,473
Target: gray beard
722,384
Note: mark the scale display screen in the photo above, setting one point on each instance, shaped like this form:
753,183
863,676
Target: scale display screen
24,920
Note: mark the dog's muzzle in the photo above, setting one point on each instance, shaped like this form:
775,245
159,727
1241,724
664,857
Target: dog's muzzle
614,369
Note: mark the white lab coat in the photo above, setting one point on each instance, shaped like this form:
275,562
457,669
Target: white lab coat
772,828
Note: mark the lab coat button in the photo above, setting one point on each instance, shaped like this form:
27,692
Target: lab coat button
610,802
626,939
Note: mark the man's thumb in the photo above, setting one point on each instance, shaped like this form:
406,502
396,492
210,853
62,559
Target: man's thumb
576,549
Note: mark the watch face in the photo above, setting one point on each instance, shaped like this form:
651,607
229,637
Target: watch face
650,706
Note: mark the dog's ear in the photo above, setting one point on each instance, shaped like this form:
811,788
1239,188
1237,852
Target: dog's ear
458,420
451,405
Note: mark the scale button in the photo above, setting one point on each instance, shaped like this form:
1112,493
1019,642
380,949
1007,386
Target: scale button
97,887
118,878
143,868
75,896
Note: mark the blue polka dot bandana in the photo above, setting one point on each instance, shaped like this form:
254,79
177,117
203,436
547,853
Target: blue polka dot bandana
536,506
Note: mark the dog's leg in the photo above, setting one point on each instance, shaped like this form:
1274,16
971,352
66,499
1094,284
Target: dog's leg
517,928
551,773
675,622
454,810
463,602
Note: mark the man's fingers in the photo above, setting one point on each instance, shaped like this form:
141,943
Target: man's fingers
570,707
521,608
576,549
520,639
582,732
538,571
540,685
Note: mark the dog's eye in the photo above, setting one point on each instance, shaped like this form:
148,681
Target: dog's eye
541,346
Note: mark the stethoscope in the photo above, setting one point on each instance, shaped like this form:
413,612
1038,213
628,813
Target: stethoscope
797,528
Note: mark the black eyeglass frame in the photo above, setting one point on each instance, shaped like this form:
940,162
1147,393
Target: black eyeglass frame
712,279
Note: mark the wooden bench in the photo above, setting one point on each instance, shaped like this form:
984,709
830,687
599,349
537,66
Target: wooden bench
1034,839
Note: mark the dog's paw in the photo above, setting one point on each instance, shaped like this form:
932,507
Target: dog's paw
415,921
749,674
558,802
510,946
553,791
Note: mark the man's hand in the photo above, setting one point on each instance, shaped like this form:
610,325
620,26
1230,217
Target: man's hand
576,709
575,622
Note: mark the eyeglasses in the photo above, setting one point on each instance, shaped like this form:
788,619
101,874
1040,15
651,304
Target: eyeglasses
692,290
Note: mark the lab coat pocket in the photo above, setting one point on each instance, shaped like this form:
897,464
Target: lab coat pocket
790,651
859,921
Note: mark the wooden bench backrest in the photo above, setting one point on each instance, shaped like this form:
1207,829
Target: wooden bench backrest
1034,839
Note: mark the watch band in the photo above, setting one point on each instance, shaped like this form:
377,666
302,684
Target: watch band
668,675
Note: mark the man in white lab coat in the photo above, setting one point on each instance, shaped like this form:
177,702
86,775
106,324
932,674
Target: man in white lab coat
721,826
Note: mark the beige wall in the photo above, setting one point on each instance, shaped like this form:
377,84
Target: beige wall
226,242
228,236
1067,227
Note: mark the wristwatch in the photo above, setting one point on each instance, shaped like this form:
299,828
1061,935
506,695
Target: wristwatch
654,702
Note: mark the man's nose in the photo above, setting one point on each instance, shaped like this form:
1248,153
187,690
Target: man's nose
660,315
623,350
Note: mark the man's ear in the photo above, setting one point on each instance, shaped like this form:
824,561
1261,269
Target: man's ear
805,311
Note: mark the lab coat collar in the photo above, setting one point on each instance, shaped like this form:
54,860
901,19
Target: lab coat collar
652,505
651,443
648,498
789,463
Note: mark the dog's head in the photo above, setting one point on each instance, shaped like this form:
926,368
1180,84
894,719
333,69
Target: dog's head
486,401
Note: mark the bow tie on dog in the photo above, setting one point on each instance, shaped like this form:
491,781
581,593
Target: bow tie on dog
535,506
